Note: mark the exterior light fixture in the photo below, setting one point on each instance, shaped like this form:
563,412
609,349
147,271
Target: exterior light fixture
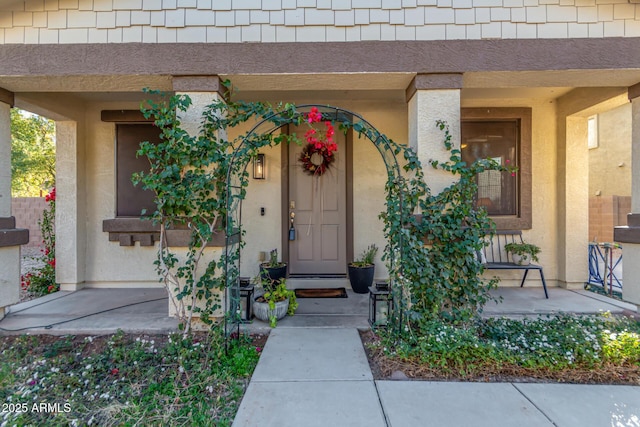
379,306
246,298
259,165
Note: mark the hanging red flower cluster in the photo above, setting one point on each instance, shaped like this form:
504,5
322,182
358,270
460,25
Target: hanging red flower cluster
318,154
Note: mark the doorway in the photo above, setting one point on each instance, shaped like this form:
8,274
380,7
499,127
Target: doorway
317,208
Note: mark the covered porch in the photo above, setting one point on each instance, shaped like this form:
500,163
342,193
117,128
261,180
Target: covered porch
136,310
402,102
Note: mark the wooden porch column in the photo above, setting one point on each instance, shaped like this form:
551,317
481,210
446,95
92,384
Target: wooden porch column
433,97
629,236
10,237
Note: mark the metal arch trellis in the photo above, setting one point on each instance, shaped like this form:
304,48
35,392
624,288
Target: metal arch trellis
237,179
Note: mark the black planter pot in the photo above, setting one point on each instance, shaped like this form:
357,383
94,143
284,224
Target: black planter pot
274,273
361,278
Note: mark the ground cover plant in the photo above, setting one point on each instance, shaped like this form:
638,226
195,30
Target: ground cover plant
566,348
124,379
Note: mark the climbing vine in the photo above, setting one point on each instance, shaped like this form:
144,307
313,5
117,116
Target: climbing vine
432,239
438,268
188,176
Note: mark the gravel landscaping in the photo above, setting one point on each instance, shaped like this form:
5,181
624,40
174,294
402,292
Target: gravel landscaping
32,259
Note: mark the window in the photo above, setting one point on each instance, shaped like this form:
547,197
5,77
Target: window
497,140
502,134
592,130
131,200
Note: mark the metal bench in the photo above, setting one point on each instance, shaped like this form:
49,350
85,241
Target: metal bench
498,259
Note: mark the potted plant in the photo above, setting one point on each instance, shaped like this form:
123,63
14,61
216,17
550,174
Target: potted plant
275,302
273,269
522,253
361,270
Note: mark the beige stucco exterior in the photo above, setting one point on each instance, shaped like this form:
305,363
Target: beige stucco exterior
609,172
426,138
544,192
9,256
5,161
632,251
263,233
610,161
136,263
71,59
10,265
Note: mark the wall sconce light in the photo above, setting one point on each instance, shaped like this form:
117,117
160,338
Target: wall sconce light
259,165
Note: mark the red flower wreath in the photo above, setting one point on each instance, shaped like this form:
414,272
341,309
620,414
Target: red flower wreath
318,154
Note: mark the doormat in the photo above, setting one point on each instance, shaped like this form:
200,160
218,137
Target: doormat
321,293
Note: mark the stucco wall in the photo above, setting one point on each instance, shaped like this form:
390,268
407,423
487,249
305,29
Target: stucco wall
157,21
263,233
610,162
610,174
108,263
135,264
573,111
369,175
543,191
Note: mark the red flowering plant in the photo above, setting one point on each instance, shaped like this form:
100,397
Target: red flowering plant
319,153
42,281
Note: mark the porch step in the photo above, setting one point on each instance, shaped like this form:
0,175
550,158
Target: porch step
316,321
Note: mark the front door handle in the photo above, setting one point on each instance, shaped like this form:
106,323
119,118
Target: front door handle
292,230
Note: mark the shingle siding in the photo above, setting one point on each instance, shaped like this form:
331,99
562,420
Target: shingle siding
211,21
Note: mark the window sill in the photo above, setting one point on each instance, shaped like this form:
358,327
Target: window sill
10,235
127,231
512,223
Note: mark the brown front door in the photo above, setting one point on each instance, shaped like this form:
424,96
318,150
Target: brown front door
319,205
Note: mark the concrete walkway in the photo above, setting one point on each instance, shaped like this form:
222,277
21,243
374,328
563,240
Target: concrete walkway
320,377
93,312
146,310
314,374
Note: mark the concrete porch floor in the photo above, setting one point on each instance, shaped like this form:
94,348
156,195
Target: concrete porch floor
138,310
